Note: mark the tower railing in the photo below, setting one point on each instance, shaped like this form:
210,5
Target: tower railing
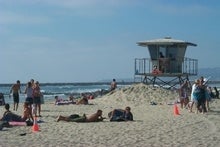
167,67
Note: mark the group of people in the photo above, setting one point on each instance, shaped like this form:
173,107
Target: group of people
59,101
10,116
33,96
82,101
84,97
115,115
200,95
32,106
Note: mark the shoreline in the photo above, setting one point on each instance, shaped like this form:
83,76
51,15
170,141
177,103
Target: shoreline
153,125
92,83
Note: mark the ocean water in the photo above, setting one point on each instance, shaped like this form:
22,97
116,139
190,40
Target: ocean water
63,90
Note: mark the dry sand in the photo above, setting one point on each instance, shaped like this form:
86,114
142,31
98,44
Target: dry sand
154,125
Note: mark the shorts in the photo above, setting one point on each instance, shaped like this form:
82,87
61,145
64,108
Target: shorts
16,97
74,118
200,102
36,100
29,100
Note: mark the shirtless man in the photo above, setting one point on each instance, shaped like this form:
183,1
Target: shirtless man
15,90
76,118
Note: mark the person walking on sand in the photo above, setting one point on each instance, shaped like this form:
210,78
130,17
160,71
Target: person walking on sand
15,90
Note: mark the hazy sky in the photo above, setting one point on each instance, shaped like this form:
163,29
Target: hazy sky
92,40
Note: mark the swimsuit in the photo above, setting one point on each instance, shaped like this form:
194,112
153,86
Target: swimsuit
16,97
77,118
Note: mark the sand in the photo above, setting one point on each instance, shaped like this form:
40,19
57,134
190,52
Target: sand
153,125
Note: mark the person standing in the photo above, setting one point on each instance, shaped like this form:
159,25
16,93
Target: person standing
184,94
201,97
15,90
113,85
36,99
29,94
216,93
193,94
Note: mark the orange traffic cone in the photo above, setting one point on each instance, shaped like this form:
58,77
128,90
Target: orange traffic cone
176,110
35,126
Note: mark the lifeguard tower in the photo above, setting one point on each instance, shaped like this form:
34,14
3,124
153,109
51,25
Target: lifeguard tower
167,65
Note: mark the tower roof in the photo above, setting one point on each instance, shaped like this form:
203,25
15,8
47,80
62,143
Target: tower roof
165,41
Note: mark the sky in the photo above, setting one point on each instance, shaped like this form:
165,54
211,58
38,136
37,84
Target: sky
94,40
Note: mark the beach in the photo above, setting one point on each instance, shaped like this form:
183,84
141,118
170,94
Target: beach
153,125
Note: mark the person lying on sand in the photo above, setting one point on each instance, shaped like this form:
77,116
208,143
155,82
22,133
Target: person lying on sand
9,116
76,118
59,101
121,115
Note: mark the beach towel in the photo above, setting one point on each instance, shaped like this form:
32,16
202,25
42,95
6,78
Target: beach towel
20,123
17,123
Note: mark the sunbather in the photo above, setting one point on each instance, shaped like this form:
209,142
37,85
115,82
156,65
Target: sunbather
59,101
121,115
76,118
